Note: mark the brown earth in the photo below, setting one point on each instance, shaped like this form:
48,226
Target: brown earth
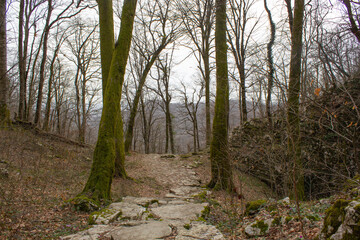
45,170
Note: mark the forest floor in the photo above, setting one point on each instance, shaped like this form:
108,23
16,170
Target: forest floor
41,171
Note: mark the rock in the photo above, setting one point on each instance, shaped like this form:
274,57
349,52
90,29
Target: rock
285,200
184,212
254,206
148,218
148,231
123,210
258,228
174,196
342,221
199,230
185,190
89,234
142,201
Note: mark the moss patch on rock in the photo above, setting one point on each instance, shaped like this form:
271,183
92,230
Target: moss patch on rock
334,217
84,204
254,206
262,226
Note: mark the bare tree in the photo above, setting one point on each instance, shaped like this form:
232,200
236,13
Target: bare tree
26,22
221,173
163,66
191,103
45,37
239,36
156,30
98,186
4,82
198,17
84,47
293,117
270,61
353,17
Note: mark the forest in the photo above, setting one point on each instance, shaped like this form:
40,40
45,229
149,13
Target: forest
257,88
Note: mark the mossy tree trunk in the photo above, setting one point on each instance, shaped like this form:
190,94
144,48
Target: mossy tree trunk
98,185
106,48
221,175
4,81
293,119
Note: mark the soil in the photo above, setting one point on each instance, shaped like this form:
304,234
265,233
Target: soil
44,172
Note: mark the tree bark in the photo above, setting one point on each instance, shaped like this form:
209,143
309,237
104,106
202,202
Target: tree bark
42,65
353,27
221,175
106,48
134,107
22,64
270,63
4,81
98,186
293,118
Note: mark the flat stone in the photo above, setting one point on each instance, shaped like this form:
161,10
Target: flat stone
190,182
142,201
174,196
147,231
199,231
128,210
184,212
89,234
184,190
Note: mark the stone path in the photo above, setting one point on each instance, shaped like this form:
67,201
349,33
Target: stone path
177,216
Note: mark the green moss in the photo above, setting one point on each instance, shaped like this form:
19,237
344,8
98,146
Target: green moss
103,213
262,226
84,204
205,212
276,221
202,196
5,120
334,217
313,218
168,156
288,219
187,226
254,206
271,207
352,183
147,204
150,216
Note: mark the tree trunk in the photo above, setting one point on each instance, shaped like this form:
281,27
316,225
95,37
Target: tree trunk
207,95
98,186
4,81
293,118
106,48
270,65
49,93
22,64
170,127
134,107
42,65
221,175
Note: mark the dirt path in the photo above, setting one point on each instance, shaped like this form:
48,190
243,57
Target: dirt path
175,214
